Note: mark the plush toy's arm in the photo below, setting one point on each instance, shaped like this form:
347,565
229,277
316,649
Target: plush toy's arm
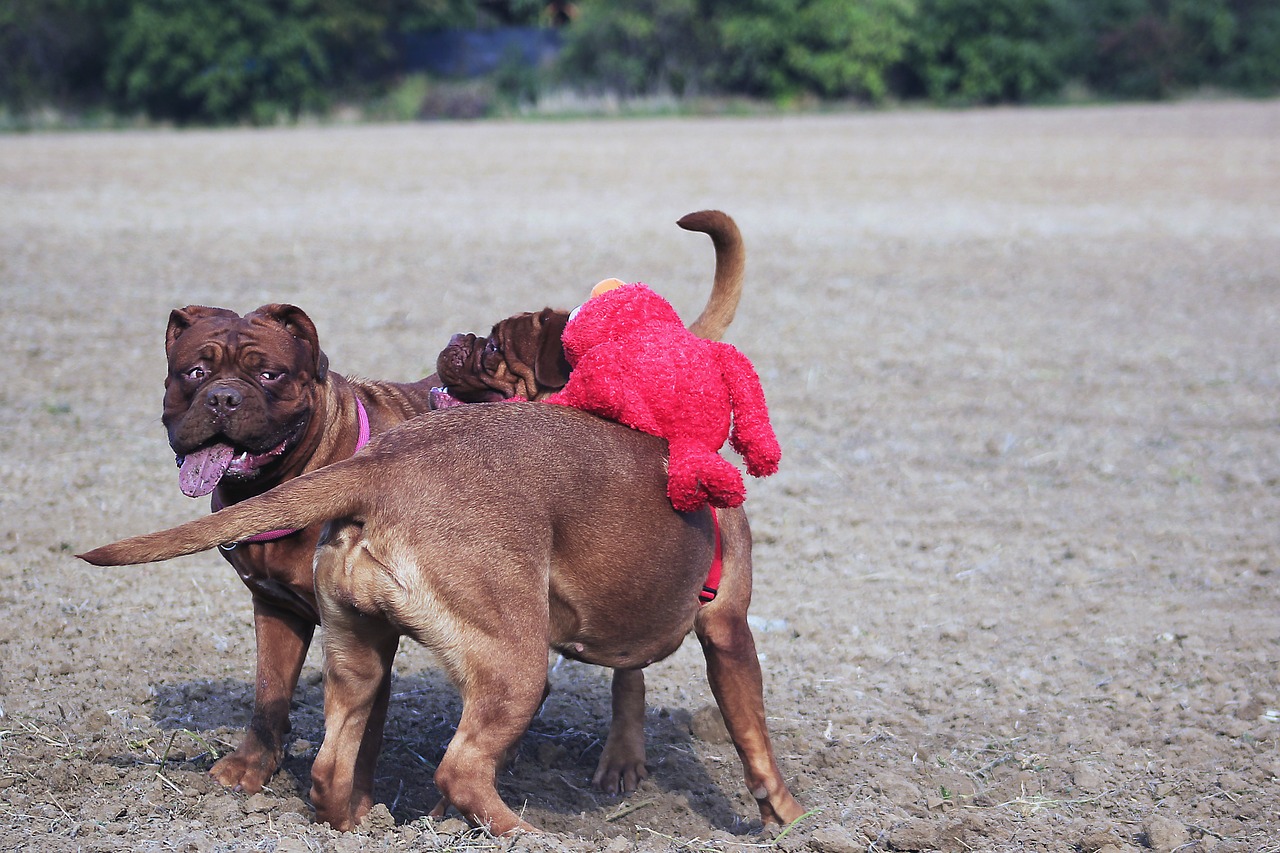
752,434
595,386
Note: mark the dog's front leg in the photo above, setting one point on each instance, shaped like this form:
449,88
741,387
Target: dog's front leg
283,638
621,764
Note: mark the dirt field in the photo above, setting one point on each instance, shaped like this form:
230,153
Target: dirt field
1016,583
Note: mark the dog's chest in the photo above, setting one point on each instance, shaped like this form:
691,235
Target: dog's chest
255,568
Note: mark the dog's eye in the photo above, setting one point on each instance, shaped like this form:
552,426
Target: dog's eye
492,346
195,374
270,375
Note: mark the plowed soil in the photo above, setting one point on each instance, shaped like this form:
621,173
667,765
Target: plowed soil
1016,582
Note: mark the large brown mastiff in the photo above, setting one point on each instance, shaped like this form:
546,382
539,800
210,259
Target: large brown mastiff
490,533
249,403
523,357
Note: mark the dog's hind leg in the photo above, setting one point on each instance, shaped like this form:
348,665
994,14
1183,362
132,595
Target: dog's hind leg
359,647
358,651
733,670
371,745
501,683
621,764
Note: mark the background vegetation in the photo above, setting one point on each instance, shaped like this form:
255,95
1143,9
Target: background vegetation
265,61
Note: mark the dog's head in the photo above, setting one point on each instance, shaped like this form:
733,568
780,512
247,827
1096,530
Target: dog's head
522,357
240,391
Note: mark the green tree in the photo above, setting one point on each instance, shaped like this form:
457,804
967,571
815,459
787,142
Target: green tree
51,51
1253,62
229,61
844,48
638,47
766,48
991,51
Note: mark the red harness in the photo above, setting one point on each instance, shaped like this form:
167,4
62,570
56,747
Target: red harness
712,585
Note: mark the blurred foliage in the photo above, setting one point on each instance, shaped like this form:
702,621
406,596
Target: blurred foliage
262,61
762,48
238,59
51,51
993,51
1254,63
949,51
831,48
638,47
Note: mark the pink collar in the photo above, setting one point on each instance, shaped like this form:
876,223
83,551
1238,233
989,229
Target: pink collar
272,535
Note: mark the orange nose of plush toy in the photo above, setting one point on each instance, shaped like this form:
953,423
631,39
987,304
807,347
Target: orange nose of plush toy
605,286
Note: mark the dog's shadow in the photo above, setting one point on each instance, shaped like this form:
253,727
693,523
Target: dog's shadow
549,777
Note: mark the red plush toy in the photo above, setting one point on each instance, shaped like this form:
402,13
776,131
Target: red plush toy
634,362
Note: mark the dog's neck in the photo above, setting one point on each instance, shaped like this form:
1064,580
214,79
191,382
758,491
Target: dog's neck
215,502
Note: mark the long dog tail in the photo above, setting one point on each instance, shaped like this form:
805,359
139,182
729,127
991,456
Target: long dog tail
318,496
731,264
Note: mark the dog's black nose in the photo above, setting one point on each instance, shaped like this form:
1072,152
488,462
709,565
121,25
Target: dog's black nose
224,399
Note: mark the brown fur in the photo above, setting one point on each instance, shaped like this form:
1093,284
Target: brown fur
490,533
523,357
256,382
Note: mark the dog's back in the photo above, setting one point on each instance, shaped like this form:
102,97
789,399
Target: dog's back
503,474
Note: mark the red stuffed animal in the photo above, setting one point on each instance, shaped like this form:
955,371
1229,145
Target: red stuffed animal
634,362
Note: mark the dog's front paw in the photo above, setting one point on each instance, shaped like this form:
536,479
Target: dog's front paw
620,771
246,769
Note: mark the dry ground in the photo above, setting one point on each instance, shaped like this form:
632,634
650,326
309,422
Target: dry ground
1016,582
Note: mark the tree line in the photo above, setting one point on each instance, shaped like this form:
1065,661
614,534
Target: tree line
261,61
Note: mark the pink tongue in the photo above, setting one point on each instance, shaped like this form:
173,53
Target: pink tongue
202,469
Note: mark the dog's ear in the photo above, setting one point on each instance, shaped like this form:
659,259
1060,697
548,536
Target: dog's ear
551,368
181,319
296,322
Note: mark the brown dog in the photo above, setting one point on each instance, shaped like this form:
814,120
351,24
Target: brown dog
488,534
522,356
250,403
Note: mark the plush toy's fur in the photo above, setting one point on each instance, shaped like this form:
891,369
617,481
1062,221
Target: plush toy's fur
634,362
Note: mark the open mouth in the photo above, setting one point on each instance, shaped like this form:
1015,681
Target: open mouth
440,398
200,471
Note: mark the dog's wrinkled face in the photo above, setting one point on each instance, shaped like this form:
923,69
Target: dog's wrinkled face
240,390
522,357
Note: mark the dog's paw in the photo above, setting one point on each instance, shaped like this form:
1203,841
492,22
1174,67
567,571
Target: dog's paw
620,774
244,770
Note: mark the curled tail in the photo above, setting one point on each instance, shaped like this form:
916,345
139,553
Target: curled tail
731,264
752,434
318,496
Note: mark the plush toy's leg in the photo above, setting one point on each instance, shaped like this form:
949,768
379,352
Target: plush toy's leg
695,476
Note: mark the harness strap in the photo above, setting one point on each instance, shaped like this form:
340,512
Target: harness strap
712,585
